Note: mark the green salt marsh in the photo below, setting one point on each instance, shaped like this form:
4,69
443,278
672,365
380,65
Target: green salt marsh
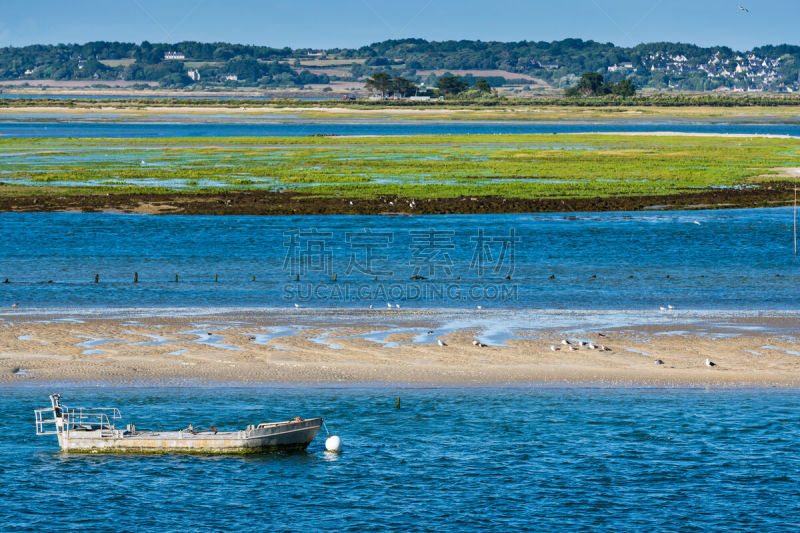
421,166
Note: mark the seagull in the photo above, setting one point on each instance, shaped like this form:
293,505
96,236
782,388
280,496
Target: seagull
670,307
564,341
696,222
662,308
14,305
582,343
475,342
658,362
554,348
592,346
572,348
397,306
388,305
370,306
430,332
710,363
604,349
297,306
441,342
742,8
479,307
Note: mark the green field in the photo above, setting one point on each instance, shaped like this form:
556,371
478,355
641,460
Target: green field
514,166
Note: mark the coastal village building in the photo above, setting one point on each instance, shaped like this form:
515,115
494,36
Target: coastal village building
621,67
737,73
194,75
546,65
174,56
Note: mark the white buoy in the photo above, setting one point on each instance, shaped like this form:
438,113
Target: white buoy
333,444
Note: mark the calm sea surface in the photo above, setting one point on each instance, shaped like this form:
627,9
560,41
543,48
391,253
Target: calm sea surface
721,260
277,125
553,459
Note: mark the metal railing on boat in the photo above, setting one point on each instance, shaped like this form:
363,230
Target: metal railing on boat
77,418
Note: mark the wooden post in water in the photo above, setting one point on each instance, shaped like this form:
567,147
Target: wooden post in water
97,278
795,220
136,277
176,278
216,277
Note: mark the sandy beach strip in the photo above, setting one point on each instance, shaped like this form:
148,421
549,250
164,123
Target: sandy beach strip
748,351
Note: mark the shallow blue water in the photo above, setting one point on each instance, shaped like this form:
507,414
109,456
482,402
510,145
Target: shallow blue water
721,260
284,126
552,459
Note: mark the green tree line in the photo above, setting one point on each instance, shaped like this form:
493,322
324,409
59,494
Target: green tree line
559,62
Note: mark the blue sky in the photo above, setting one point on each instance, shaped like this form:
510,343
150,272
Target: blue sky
353,23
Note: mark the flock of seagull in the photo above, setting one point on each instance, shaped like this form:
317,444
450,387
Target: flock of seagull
572,346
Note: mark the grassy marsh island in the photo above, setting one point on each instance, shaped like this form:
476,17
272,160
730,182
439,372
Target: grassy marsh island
495,172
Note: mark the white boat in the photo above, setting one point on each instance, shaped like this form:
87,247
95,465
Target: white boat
93,430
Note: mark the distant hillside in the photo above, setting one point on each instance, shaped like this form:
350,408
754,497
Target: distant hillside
654,65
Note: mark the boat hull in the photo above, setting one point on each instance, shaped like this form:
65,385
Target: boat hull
264,438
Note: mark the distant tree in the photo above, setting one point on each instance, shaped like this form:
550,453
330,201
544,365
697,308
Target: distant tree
624,88
245,68
403,86
592,84
380,82
175,80
451,85
481,85
358,70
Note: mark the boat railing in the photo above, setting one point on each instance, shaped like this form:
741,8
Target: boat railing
60,418
90,417
43,425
